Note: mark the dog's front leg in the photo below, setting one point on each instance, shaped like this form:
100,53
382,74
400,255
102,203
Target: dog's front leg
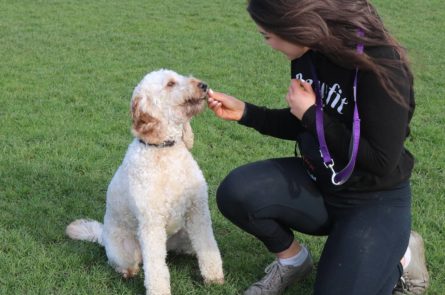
199,228
153,239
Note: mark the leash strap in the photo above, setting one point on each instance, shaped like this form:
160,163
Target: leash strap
338,178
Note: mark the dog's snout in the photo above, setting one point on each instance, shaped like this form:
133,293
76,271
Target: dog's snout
203,86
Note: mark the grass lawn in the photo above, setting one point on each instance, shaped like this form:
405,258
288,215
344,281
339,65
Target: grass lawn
67,72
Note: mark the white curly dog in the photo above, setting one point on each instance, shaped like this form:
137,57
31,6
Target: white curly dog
157,200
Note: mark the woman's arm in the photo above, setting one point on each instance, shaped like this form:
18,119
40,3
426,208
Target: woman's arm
278,123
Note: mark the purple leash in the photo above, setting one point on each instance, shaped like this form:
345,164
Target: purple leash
342,176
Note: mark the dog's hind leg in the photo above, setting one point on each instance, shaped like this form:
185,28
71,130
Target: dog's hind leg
199,228
123,250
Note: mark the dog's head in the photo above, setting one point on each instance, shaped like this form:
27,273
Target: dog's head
163,103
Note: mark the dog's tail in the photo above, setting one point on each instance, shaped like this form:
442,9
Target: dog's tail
85,230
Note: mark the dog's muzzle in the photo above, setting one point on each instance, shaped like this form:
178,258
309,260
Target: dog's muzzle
203,86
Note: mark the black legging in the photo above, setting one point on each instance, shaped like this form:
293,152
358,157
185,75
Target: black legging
368,233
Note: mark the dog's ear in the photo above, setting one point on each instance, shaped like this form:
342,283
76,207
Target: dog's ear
187,135
145,125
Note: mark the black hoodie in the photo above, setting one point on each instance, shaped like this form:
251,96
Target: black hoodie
382,160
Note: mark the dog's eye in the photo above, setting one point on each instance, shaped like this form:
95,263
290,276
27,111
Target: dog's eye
171,83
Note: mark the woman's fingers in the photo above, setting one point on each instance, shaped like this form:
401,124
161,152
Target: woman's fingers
225,106
213,104
306,86
216,95
297,86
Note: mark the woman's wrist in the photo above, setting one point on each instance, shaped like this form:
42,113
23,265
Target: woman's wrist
308,118
243,111
246,113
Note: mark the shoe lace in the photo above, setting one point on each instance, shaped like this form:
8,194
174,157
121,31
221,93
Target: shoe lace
401,286
273,273
405,285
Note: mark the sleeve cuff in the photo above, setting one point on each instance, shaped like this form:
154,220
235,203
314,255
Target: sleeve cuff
308,119
247,114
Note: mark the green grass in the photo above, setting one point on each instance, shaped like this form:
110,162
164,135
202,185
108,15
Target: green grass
67,71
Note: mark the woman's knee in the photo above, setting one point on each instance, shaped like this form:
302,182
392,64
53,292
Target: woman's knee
229,192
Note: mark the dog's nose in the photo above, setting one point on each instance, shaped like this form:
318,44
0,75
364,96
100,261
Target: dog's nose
203,86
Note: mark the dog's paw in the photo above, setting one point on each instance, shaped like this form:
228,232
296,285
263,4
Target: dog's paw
216,281
128,273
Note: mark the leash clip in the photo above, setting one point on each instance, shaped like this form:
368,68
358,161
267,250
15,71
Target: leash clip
334,174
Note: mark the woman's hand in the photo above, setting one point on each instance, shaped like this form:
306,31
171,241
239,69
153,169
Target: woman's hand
225,106
300,97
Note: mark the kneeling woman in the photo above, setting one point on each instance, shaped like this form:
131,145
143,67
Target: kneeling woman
350,103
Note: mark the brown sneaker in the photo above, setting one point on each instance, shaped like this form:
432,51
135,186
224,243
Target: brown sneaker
415,278
278,277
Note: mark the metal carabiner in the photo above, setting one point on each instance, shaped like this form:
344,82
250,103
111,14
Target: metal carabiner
334,174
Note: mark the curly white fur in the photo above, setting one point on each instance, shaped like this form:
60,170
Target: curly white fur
157,200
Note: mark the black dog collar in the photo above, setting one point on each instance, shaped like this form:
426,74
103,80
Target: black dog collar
167,143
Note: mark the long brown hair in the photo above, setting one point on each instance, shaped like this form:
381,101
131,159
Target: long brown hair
330,27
